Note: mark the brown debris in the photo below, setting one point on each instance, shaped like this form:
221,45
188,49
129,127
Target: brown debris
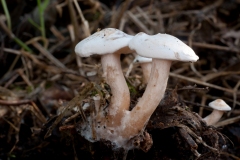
35,83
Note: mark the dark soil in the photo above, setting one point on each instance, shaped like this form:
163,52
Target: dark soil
41,76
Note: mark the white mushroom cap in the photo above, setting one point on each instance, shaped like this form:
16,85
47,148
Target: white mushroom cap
162,46
106,41
220,105
141,59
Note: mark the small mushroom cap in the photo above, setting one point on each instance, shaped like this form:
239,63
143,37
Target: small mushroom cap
106,41
141,59
220,105
162,46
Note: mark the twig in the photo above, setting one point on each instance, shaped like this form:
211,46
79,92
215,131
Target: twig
46,53
235,95
201,83
85,23
115,20
230,155
146,17
57,33
42,65
138,22
195,104
203,103
11,80
11,124
227,121
12,36
74,30
66,127
71,118
15,102
213,46
9,50
210,76
42,118
25,78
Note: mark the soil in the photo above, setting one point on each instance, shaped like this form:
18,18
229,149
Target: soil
41,76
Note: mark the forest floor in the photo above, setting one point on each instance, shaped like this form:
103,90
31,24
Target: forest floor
41,74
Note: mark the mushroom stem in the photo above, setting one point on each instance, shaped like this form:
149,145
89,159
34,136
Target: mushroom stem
214,117
146,68
112,71
151,98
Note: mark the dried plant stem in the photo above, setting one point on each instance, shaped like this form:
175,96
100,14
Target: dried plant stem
201,83
85,23
227,121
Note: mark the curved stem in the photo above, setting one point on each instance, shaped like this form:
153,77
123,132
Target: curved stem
151,98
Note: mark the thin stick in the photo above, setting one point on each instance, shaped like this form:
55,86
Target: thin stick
35,107
85,23
46,53
201,83
14,102
203,103
25,78
138,22
115,20
213,46
227,121
9,50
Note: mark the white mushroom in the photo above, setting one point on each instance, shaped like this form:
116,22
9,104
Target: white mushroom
219,107
164,49
110,43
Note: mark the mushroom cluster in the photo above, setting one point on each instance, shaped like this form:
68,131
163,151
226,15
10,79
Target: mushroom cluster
120,124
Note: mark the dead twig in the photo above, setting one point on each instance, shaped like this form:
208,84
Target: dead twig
15,102
201,83
227,121
138,22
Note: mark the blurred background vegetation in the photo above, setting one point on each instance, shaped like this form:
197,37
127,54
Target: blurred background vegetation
39,69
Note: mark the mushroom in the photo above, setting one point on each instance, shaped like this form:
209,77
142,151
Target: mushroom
219,106
146,65
164,49
110,43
